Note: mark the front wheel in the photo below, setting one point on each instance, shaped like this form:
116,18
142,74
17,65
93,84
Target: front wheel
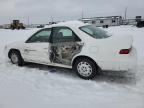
16,58
86,68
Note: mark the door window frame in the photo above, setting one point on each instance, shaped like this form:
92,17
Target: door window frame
52,32
28,40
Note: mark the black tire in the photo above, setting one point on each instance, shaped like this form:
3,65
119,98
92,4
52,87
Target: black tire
20,61
93,70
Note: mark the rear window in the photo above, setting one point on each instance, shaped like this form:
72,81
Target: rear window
94,32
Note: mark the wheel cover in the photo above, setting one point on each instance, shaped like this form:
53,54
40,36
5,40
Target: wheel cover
14,58
84,69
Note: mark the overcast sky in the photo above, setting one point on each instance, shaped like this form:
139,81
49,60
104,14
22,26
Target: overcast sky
42,11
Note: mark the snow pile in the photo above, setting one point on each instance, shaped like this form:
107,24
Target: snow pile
38,86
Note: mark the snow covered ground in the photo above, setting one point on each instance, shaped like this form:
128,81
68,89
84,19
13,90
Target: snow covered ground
38,86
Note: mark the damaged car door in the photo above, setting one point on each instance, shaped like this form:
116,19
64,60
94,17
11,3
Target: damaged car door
64,45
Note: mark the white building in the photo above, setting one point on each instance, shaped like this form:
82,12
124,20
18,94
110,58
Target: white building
129,22
104,21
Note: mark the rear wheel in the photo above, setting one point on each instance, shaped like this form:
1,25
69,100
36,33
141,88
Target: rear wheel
85,68
16,58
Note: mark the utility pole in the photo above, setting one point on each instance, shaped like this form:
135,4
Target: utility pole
126,12
82,15
28,21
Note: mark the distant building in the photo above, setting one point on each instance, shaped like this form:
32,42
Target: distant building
104,21
132,21
129,22
138,18
6,26
1,26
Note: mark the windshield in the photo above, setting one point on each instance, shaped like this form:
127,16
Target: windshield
95,32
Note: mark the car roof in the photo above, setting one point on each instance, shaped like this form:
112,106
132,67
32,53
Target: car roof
68,24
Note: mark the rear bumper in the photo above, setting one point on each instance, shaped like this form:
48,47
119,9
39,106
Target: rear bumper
125,63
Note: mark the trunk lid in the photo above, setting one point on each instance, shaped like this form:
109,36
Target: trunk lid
122,42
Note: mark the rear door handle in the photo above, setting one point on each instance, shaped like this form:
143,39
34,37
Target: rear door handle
81,43
27,50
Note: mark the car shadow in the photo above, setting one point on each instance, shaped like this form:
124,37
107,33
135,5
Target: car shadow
118,77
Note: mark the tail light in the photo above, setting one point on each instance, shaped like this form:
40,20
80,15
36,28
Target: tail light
125,51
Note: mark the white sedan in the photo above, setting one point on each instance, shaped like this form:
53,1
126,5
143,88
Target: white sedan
82,47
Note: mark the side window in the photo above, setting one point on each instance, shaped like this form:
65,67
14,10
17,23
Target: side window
63,34
101,21
66,32
113,21
41,36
